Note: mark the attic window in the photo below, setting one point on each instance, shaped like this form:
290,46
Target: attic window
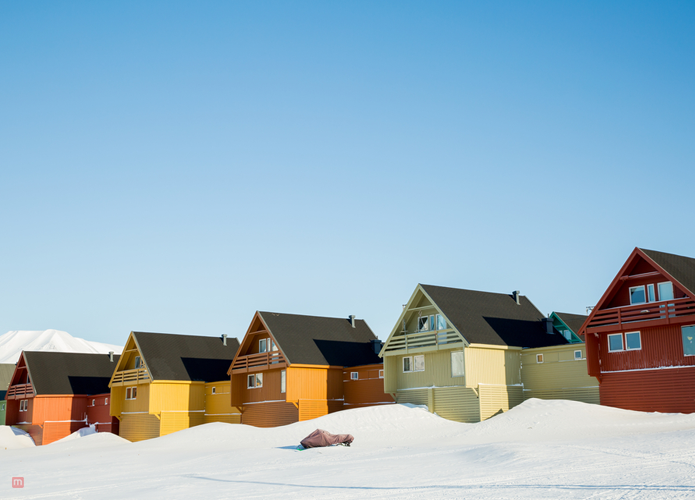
666,291
423,324
137,362
637,295
539,358
354,375
567,334
262,345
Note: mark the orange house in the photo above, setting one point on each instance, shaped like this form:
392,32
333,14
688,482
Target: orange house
53,394
291,368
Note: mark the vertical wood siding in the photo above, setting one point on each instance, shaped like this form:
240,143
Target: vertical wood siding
53,431
560,376
437,371
661,346
217,406
496,399
141,403
666,391
269,392
139,427
270,414
492,366
459,404
367,390
176,396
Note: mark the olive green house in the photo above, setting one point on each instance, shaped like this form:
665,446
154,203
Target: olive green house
460,351
560,371
6,371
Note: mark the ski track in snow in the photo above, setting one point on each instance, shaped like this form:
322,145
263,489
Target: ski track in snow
538,450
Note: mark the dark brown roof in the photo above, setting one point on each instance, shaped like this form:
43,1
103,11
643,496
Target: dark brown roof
681,268
315,340
69,372
493,318
574,321
186,357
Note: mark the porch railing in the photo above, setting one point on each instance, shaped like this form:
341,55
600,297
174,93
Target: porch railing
19,391
666,312
258,361
129,376
416,340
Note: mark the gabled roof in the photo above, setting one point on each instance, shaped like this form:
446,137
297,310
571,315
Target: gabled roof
316,340
682,269
573,321
6,371
185,357
493,318
69,372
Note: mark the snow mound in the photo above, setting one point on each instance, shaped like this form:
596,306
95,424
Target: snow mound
14,342
87,438
12,438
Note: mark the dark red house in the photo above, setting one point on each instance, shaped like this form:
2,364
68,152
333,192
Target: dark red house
53,394
640,337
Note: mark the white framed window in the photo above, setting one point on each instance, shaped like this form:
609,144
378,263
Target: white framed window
419,363
106,401
688,333
578,355
633,341
214,390
441,322
131,392
381,373
567,334
457,363
354,375
273,346
283,381
665,290
94,402
407,364
137,362
637,295
259,380
423,324
262,345
255,381
539,358
251,382
650,293
615,342
23,405
3,407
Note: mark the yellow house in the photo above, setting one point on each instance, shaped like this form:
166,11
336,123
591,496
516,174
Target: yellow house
164,383
459,351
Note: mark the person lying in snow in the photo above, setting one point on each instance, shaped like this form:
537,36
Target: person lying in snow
320,438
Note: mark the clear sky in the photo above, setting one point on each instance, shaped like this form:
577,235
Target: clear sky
176,166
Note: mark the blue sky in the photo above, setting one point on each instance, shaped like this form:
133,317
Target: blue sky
176,166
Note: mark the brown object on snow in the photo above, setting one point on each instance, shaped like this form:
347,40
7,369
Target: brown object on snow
320,438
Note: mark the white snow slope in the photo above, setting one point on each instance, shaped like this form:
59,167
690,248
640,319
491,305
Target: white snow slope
14,342
540,449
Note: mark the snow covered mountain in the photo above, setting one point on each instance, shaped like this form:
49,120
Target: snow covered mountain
14,342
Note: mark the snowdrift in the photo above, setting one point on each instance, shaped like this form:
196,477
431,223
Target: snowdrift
11,438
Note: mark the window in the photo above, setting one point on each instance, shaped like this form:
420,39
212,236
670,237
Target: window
633,341
567,334
262,344
666,291
441,322
688,333
615,342
255,381
283,381
381,373
457,363
137,362
106,401
214,390
577,355
3,407
131,392
354,376
637,295
94,402
423,324
23,404
650,293
413,364
539,358
272,345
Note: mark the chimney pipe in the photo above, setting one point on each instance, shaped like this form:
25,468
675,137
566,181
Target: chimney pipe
224,339
517,297
111,356
352,320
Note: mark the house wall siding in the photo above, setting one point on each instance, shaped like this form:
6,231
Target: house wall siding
314,383
492,366
173,421
367,390
271,390
217,406
437,371
139,427
496,399
188,396
459,404
270,414
666,391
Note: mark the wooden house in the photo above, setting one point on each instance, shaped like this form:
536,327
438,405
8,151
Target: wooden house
6,371
291,368
164,383
53,394
459,351
559,371
640,337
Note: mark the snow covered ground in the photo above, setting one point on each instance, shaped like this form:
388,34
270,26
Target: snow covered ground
14,342
540,449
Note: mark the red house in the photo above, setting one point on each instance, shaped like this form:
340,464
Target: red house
53,394
640,337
